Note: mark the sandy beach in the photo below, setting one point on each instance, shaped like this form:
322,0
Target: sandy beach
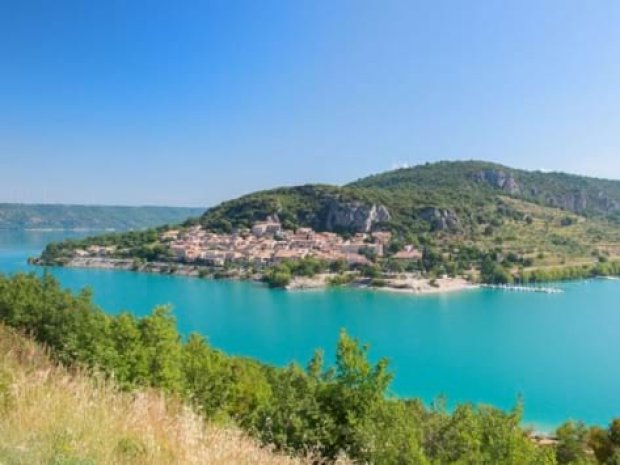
404,283
421,286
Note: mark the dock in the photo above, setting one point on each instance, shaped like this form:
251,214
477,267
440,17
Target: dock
516,288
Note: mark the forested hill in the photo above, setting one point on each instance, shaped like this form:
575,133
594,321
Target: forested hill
463,214
443,196
578,194
48,216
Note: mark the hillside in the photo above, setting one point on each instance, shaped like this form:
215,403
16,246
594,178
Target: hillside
552,218
426,198
48,216
578,194
50,415
475,219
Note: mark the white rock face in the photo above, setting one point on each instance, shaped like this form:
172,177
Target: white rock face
440,219
499,179
355,216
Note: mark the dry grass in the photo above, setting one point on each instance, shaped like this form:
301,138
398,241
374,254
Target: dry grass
51,416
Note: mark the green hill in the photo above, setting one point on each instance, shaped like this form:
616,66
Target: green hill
48,216
480,204
467,217
450,196
578,194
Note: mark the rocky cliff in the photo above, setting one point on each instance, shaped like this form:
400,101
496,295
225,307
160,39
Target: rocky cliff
355,216
562,192
440,219
499,179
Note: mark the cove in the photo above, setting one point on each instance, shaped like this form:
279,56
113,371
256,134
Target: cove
560,352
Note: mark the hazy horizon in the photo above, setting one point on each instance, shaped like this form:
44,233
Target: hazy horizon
283,185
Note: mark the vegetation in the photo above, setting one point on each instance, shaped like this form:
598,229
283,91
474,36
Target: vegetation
569,273
471,191
51,415
142,245
21,216
335,410
295,206
282,274
465,216
479,181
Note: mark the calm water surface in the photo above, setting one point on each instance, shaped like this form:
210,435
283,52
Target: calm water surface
561,352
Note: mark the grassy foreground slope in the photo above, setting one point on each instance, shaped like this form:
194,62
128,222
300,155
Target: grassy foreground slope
51,415
47,216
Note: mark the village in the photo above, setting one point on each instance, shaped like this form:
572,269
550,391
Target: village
267,243
196,251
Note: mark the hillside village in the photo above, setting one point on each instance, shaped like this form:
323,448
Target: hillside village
267,243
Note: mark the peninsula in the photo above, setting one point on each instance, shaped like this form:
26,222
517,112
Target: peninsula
433,227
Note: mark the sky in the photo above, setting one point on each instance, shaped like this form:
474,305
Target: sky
194,102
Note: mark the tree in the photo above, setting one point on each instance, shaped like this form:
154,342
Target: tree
207,376
572,444
278,278
493,273
163,348
351,392
132,366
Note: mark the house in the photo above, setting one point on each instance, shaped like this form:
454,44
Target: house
356,259
283,255
266,228
262,258
178,249
408,253
170,235
213,257
382,237
351,247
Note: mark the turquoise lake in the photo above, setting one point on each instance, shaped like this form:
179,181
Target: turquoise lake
560,352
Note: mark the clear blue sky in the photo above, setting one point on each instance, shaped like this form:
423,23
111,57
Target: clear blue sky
190,103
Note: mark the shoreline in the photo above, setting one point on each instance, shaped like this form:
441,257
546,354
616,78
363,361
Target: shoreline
105,230
403,283
444,286
406,284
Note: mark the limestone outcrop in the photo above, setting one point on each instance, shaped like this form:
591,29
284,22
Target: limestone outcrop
355,216
440,219
500,180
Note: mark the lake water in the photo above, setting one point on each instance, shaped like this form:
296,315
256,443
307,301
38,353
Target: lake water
560,352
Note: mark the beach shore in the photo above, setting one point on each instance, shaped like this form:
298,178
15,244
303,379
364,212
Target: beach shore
412,285
405,283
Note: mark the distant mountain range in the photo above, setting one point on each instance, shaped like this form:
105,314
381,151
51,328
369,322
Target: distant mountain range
48,216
